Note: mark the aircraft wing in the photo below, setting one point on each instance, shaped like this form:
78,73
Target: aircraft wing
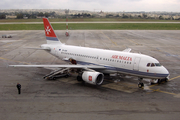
38,48
61,66
127,50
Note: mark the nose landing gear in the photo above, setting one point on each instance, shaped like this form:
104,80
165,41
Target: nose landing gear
140,84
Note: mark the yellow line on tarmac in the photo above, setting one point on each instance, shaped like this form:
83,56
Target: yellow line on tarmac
158,90
109,39
13,60
3,58
174,78
153,85
133,42
167,92
7,44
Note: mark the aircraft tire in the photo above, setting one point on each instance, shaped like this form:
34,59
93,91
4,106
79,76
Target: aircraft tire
166,80
159,81
140,85
52,78
66,76
79,78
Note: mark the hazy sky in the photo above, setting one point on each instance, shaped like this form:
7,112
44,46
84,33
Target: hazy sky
105,5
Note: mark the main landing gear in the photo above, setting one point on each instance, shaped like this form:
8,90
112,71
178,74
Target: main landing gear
140,84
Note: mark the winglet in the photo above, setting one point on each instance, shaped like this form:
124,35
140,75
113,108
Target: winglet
49,32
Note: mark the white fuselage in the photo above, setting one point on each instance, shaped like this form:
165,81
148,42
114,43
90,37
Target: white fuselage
115,61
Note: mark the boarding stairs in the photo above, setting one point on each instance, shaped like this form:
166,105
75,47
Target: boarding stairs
60,72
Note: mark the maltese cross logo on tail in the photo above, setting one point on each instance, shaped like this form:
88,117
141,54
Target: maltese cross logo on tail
48,30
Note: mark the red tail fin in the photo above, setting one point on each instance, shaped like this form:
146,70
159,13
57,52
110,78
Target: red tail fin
49,31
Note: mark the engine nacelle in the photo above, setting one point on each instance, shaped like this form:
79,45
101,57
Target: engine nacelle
94,78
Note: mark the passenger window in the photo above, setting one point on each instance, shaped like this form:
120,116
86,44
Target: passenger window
148,64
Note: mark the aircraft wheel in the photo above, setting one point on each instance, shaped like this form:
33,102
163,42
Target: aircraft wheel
166,80
159,81
66,76
52,78
79,78
140,85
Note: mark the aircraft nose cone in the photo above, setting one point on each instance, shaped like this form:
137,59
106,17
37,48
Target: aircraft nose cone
165,71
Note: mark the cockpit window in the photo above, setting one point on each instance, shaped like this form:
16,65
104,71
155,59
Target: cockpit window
157,64
148,64
152,64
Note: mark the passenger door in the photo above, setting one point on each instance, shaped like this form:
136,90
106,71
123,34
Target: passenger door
136,63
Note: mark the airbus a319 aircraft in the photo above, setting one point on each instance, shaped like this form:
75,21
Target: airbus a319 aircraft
91,63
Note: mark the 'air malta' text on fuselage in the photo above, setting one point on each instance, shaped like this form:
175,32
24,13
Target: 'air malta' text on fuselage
122,57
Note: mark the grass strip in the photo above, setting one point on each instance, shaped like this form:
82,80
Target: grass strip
95,26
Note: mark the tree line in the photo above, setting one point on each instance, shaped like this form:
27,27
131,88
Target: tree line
32,15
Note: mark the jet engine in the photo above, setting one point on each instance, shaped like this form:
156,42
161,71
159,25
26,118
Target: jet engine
94,78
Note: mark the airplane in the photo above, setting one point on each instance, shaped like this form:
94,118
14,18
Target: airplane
92,63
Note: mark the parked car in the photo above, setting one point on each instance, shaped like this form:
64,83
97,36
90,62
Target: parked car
6,36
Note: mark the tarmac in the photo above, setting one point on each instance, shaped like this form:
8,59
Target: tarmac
66,98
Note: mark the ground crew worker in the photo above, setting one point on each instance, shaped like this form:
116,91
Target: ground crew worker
19,88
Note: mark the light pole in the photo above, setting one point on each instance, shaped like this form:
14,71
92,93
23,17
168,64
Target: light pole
67,12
